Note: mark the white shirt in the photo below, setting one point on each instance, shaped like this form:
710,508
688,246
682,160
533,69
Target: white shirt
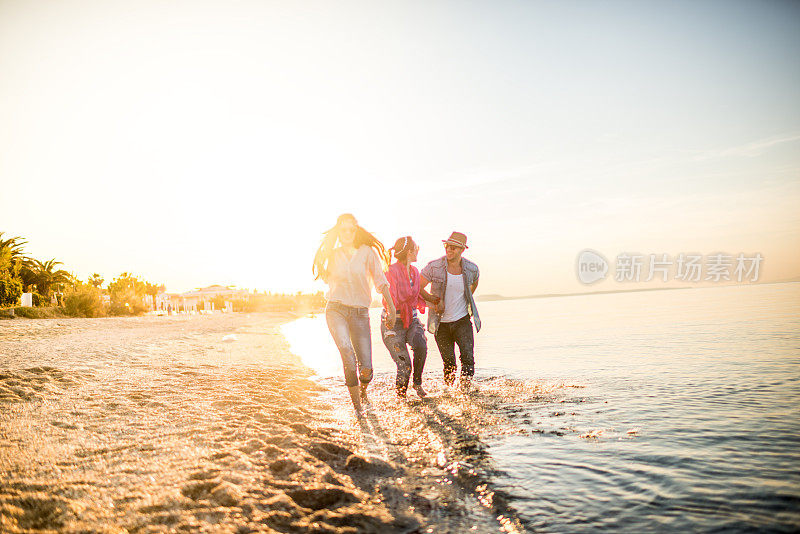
455,305
349,278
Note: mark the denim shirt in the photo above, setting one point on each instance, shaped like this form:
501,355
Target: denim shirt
436,273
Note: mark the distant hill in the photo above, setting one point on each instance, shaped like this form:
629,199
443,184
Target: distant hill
493,296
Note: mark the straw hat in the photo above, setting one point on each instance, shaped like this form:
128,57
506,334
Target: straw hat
458,239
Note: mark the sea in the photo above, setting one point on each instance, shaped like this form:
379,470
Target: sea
653,411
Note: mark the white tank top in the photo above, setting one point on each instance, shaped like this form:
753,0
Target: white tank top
455,305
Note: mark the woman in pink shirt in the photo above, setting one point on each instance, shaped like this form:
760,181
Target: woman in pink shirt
349,260
408,298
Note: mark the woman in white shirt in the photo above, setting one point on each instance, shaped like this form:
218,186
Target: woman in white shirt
349,260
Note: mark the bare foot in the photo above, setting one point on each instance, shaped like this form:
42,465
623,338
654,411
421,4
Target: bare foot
420,391
465,384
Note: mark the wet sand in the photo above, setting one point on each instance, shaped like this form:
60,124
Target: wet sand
210,424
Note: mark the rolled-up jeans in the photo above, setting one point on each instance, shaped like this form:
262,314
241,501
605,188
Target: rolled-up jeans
414,335
349,326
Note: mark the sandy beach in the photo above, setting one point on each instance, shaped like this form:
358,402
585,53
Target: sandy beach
209,423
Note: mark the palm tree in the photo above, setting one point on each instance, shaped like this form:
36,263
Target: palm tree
13,243
12,257
96,280
153,290
46,276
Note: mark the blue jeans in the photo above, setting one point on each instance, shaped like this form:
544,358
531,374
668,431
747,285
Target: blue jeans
414,335
456,333
349,326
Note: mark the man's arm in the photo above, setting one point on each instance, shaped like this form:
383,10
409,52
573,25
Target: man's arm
474,284
436,301
428,297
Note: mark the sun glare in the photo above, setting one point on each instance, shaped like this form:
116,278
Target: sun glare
309,339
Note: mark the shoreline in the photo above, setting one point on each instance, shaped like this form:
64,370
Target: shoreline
141,434
56,312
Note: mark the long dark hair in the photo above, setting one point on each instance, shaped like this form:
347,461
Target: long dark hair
331,237
402,247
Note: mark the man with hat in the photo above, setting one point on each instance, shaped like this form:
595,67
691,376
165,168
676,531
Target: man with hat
453,280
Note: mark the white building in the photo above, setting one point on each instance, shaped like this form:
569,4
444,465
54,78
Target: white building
201,299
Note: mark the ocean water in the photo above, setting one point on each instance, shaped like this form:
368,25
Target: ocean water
650,411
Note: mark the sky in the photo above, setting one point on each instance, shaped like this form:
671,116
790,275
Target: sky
197,143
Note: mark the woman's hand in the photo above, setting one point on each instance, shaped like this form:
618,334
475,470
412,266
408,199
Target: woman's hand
391,312
438,305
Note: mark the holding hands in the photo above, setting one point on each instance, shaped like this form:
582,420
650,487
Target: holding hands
391,312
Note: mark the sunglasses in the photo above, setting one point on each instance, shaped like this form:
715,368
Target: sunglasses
453,247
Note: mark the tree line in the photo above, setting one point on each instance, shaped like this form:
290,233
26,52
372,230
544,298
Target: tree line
52,286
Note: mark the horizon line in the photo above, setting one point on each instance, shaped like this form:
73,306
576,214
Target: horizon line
497,297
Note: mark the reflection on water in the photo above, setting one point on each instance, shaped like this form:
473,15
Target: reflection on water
670,410
309,338
443,440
